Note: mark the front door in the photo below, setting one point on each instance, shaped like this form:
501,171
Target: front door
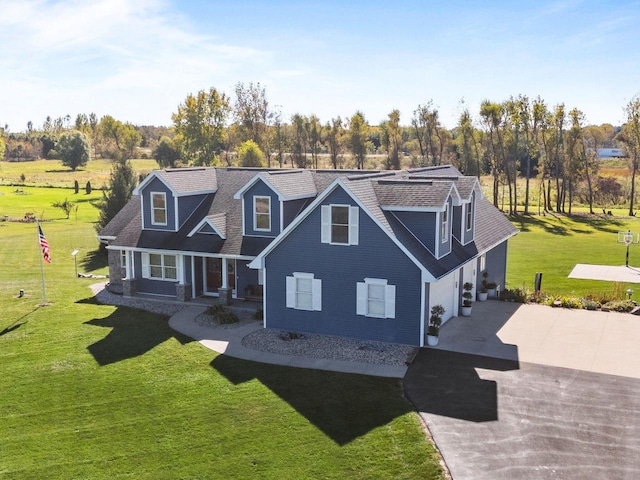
231,274
213,275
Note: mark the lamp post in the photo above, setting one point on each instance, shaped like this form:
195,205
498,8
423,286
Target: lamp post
628,238
75,259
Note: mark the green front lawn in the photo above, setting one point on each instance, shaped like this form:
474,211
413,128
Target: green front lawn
554,244
95,391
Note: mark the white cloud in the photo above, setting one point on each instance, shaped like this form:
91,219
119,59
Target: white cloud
69,57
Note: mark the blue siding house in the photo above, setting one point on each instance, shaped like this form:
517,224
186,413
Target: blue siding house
361,254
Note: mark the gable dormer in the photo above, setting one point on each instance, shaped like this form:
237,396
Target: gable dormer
169,197
271,200
424,206
465,215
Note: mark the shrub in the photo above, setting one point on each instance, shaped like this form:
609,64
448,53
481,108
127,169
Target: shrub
223,315
570,302
621,305
589,304
76,187
518,295
87,187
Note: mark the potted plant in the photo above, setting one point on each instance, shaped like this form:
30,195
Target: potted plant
482,293
466,299
434,325
491,289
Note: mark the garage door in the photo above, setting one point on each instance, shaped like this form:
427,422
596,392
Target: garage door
445,292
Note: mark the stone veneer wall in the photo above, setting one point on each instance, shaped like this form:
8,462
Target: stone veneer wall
115,269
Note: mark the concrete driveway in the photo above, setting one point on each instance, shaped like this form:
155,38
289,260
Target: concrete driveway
532,392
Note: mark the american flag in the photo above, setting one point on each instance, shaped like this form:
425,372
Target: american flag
44,245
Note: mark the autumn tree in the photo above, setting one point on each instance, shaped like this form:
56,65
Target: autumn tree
73,149
299,140
358,138
167,153
391,138
314,135
121,139
467,144
279,137
630,137
250,155
200,123
335,134
251,112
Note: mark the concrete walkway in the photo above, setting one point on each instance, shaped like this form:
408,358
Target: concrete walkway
592,341
606,272
229,342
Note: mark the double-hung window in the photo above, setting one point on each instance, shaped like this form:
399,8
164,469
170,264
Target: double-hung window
262,213
469,216
159,266
340,224
376,298
123,263
444,234
158,208
304,292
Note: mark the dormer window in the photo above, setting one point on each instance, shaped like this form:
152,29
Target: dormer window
340,224
158,208
445,225
262,213
469,216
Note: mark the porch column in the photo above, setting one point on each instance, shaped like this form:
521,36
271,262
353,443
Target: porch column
193,276
129,264
225,273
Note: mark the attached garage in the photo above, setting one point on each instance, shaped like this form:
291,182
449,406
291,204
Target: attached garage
445,292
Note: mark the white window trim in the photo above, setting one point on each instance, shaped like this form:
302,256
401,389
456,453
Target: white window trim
362,298
469,216
255,213
153,208
124,260
146,267
483,262
444,225
292,287
353,226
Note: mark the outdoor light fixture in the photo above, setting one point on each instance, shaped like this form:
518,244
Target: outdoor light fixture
75,260
630,292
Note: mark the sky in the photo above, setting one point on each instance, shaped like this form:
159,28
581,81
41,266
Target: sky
138,60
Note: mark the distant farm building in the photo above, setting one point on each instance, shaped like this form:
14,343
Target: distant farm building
611,153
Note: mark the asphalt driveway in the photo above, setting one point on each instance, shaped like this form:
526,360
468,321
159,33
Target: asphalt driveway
496,416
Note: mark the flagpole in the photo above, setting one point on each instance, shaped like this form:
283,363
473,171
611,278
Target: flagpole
44,297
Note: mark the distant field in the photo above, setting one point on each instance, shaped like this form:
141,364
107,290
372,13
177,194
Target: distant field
52,173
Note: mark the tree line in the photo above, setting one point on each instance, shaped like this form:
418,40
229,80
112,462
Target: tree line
548,148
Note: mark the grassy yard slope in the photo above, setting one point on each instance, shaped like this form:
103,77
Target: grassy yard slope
554,244
95,391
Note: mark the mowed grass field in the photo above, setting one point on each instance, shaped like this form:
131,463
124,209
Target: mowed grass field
553,244
52,173
100,392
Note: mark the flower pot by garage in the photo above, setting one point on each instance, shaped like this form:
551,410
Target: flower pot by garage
482,296
466,311
432,340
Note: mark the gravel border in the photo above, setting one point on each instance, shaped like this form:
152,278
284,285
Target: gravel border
104,296
277,341
329,347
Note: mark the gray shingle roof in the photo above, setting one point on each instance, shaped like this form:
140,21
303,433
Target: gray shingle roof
412,193
420,188
219,220
189,180
292,183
